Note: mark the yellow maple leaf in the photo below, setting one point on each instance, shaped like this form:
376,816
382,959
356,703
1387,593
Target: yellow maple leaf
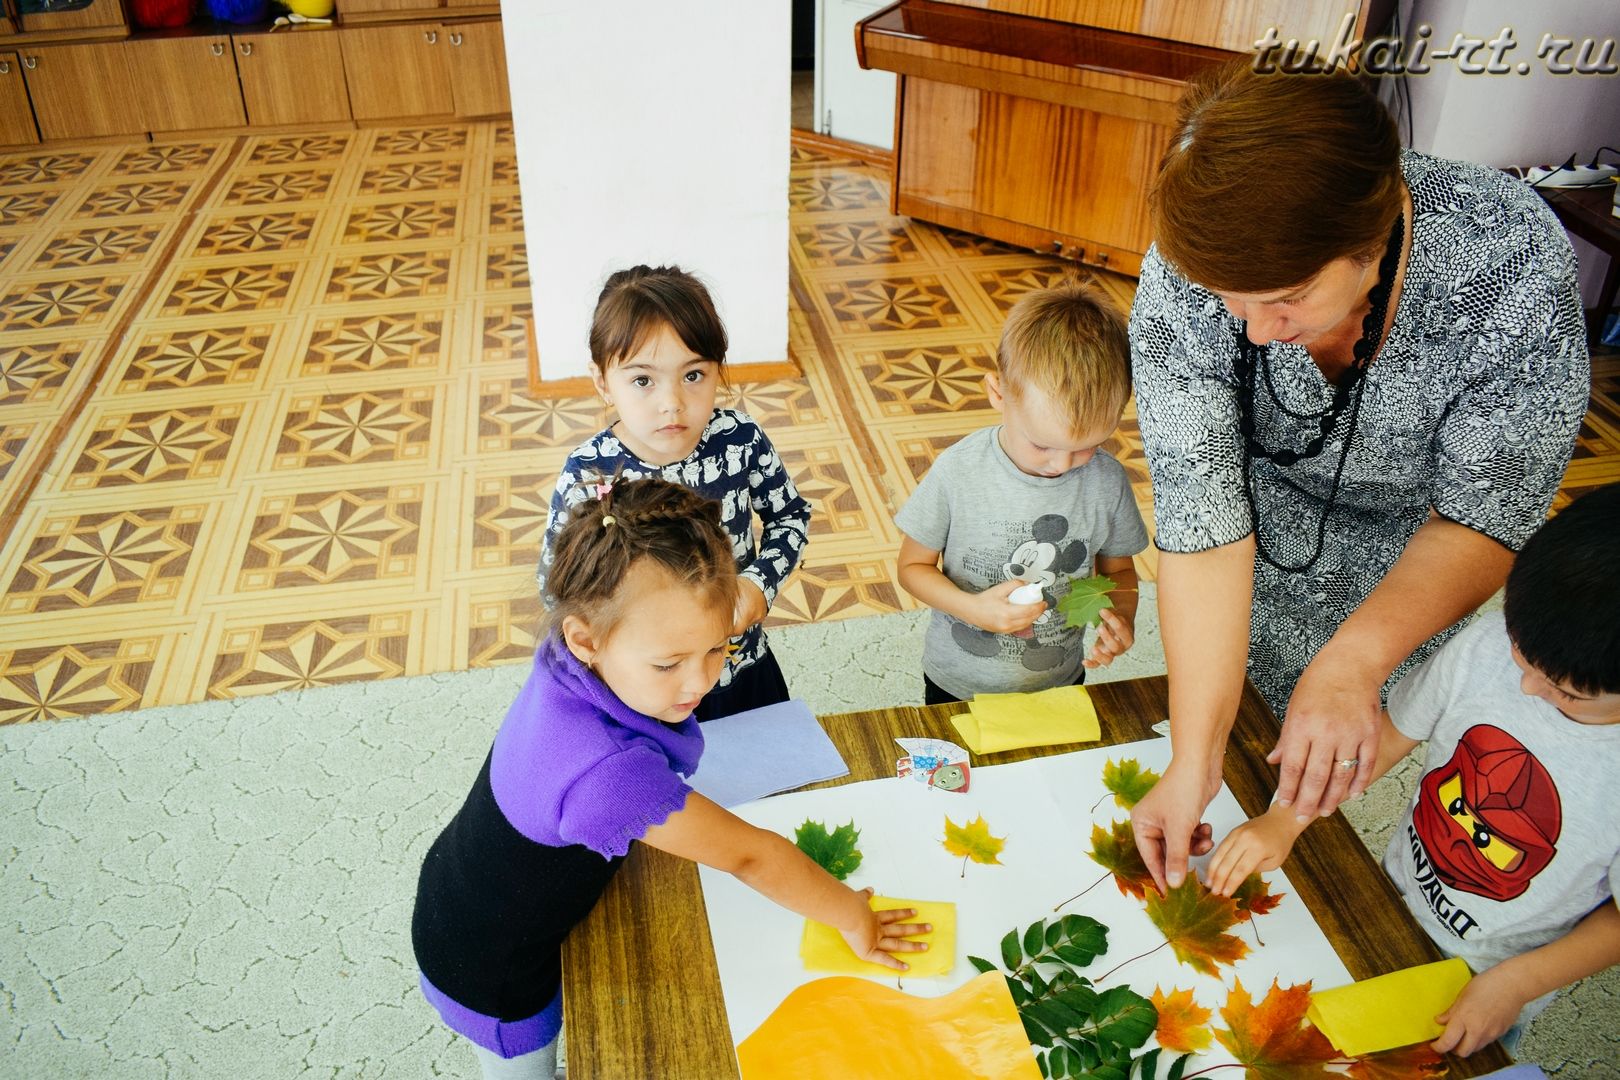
973,841
1183,1024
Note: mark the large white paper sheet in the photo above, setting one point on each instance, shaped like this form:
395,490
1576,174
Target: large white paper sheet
1044,809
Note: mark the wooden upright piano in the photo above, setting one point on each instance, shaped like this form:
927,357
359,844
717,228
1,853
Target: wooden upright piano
1041,123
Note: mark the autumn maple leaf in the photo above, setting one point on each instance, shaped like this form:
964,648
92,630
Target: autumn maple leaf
833,850
1254,897
1183,1024
1082,605
1116,852
1128,781
973,841
1272,1040
1194,921
1407,1063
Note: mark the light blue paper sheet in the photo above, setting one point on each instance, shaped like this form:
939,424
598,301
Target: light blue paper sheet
763,751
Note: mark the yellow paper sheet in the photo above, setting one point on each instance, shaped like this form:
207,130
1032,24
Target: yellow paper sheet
823,949
834,1029
1388,1011
1063,714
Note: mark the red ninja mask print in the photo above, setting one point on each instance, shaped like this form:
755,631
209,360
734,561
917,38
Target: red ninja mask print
1490,817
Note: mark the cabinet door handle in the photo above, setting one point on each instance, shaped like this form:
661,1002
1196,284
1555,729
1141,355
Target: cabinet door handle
5,67
432,36
217,49
455,39
245,48
30,62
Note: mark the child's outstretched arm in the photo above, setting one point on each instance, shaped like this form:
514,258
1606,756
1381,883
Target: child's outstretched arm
990,610
1118,630
772,865
1491,1003
1262,843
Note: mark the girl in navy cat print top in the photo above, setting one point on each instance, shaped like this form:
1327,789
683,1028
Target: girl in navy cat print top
657,349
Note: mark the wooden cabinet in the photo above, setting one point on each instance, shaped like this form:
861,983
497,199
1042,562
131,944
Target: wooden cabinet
396,71
98,18
186,82
81,91
17,126
292,78
478,68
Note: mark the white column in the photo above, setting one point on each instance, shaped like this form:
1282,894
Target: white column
652,131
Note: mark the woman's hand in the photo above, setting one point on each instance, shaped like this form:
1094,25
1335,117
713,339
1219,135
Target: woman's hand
1168,824
751,606
1482,1013
1116,635
878,935
1333,718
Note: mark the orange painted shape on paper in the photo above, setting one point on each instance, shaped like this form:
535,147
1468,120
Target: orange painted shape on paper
836,1028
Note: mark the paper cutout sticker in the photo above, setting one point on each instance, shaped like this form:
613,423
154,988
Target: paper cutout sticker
823,949
833,1029
934,762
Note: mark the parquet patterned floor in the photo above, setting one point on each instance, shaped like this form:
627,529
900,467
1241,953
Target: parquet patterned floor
265,421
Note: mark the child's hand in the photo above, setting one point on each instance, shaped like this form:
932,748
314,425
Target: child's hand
1116,634
1257,845
1482,1013
881,934
751,606
991,610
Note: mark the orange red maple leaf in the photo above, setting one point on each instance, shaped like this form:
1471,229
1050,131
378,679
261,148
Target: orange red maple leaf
1183,1023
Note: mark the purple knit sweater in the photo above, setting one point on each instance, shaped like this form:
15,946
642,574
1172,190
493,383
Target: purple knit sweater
573,777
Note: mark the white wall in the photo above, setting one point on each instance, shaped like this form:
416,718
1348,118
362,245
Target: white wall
851,102
1518,119
652,131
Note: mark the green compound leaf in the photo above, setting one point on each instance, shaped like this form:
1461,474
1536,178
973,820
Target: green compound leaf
1082,605
835,851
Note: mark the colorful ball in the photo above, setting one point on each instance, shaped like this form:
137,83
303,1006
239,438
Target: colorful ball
310,9
160,14
240,11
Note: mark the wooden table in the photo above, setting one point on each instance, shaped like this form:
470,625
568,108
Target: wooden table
643,995
1589,214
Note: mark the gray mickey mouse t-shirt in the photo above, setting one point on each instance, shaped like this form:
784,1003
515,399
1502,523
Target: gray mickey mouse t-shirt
992,523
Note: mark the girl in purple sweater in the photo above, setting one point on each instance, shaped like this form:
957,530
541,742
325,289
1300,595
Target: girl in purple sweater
592,755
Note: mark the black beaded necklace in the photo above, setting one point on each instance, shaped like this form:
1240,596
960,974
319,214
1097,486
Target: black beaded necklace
1252,359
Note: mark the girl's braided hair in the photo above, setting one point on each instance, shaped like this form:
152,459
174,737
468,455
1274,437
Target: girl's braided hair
653,519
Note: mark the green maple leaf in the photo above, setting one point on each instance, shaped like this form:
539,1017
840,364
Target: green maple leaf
1116,852
835,851
1194,921
1128,781
1082,605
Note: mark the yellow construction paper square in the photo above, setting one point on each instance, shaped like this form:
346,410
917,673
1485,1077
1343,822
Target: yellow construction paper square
823,949
1388,1011
1063,714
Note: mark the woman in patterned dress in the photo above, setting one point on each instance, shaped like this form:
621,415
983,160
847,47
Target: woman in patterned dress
1359,374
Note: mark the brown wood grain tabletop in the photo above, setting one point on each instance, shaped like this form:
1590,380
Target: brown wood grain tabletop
642,994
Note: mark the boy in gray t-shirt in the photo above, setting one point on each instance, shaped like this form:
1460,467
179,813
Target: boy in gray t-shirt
1009,516
1509,853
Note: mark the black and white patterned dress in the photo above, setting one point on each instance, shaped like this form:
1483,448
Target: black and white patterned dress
734,464
1470,408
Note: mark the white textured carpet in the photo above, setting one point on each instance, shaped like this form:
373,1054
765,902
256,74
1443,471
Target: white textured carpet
224,890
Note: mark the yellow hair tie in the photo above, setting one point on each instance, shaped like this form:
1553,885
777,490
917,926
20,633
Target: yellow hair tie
607,519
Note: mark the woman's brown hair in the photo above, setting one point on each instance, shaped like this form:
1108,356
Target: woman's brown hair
636,302
1268,178
671,525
